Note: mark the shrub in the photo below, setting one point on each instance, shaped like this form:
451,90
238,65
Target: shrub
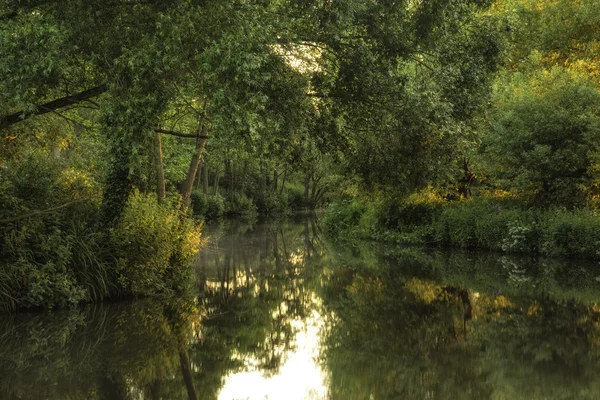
199,203
415,210
342,217
240,205
270,202
152,242
295,198
215,207
495,225
571,233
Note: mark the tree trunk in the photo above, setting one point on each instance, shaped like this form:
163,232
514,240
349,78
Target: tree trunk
216,181
231,179
306,190
275,180
283,180
160,172
205,173
186,189
262,178
155,388
244,174
198,176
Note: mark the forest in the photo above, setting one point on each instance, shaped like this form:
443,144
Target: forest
126,124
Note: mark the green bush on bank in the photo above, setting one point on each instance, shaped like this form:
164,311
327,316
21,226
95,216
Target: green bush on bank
61,258
153,243
216,206
485,224
248,205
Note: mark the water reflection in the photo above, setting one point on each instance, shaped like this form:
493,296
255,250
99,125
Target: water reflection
279,313
435,325
258,290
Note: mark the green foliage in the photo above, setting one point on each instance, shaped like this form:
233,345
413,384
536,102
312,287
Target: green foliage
573,234
240,205
269,202
342,216
544,135
152,243
215,206
199,203
484,224
295,197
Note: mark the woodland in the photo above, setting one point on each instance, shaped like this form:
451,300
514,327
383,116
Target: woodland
124,124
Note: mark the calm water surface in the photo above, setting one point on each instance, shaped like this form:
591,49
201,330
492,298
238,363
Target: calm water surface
281,313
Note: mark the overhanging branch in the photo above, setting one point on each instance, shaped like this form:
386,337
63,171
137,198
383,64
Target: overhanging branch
179,134
8,120
86,95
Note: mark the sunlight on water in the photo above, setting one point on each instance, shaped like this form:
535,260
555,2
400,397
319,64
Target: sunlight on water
300,375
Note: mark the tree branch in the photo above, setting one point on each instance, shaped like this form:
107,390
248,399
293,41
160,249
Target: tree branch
34,213
8,120
179,134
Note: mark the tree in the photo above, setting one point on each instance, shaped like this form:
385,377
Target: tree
543,136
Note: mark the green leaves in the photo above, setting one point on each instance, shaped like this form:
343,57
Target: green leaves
544,135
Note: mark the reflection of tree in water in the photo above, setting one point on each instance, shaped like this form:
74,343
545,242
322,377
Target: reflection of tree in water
251,291
103,352
402,323
256,283
401,330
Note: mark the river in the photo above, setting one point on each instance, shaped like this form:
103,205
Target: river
281,312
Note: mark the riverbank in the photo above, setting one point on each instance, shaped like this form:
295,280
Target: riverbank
491,224
66,257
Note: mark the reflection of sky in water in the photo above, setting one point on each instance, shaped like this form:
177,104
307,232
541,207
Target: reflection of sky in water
299,377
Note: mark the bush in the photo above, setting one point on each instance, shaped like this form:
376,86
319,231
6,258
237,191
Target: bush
481,223
571,233
416,210
153,242
215,207
343,217
240,205
199,203
270,202
295,198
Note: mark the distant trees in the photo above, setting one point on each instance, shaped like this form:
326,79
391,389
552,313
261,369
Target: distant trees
540,135
544,137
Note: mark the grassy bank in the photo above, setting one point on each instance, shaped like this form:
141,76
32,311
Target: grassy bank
494,224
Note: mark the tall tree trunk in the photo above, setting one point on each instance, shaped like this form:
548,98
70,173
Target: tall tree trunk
155,388
232,178
186,189
198,176
205,174
244,174
216,181
275,180
227,166
262,178
306,190
314,192
283,180
160,172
